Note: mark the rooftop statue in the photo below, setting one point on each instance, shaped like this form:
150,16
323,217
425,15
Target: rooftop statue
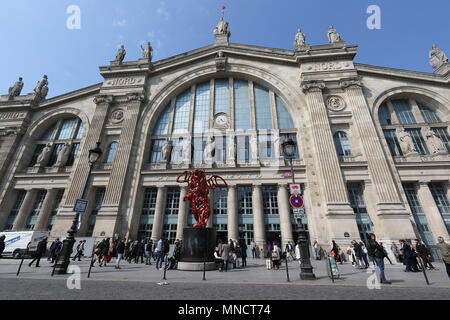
15,90
300,39
333,35
120,55
147,51
222,28
41,88
437,57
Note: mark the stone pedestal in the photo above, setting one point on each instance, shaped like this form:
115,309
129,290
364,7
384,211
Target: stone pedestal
195,242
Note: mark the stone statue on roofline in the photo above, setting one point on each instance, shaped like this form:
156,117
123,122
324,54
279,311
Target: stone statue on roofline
121,53
15,90
437,57
333,36
300,39
41,89
222,28
147,51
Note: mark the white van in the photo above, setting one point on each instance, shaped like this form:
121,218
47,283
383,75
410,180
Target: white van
16,242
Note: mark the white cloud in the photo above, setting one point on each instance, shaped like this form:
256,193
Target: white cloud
162,11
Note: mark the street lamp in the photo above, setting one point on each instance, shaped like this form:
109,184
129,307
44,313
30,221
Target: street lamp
63,260
306,269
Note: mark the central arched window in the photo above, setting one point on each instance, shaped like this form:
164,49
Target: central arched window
64,131
248,112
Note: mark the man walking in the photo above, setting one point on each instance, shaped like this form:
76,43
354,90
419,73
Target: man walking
120,251
140,252
424,254
40,251
394,249
55,249
377,252
149,252
444,249
253,248
358,254
80,250
225,255
411,264
159,253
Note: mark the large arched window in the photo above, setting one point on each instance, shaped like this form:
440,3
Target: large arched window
414,117
343,147
112,150
234,111
66,131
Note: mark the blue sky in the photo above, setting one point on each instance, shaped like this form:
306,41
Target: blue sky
35,39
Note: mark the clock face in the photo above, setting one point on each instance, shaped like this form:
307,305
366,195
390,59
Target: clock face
221,120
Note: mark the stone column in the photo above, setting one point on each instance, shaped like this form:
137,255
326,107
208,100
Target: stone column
46,209
390,207
432,212
160,207
258,219
109,213
182,212
285,215
233,225
25,210
335,192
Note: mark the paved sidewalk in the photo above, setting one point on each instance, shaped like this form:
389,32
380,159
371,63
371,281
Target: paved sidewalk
255,273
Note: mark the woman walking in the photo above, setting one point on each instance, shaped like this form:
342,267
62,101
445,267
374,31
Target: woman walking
276,256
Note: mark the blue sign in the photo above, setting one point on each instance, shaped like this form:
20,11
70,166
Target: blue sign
80,206
296,201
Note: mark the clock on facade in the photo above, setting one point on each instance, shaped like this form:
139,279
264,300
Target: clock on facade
221,120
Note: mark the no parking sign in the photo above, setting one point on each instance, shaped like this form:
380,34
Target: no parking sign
296,201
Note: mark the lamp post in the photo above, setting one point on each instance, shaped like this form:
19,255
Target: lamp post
63,260
306,269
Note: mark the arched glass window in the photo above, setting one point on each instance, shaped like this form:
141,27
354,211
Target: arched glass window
429,115
201,110
262,108
112,150
383,115
163,123
404,112
342,144
60,132
182,109
241,105
284,118
221,96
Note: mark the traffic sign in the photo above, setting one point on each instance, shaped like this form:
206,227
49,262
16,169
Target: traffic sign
296,201
80,206
295,188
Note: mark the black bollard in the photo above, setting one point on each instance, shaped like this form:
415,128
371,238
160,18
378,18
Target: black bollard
56,261
92,261
21,262
331,269
287,269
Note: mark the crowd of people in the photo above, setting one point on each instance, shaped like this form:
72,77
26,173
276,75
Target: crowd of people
232,255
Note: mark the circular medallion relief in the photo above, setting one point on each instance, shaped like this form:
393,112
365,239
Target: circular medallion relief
335,103
117,116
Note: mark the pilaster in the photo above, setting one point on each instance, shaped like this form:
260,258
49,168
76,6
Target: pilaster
159,213
25,210
285,216
47,206
233,226
258,217
183,211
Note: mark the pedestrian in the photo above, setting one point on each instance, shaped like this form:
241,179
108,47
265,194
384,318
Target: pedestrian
2,244
243,253
351,254
269,256
225,255
99,252
409,260
140,252
376,251
149,252
341,255
218,259
424,254
126,254
57,247
385,251
395,251
276,256
297,251
80,250
334,248
177,252
444,249
364,254
52,249
253,248
316,250
105,253
219,245
159,253
358,254
120,252
40,251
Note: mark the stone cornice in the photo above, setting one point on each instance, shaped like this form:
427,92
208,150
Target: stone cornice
401,73
313,86
350,83
103,99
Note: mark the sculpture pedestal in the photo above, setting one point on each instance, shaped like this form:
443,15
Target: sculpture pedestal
196,243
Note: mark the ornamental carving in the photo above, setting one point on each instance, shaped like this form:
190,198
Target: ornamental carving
351,83
335,103
313,86
117,116
12,115
103,99
135,97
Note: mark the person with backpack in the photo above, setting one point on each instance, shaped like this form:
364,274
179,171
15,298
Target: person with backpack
276,256
378,253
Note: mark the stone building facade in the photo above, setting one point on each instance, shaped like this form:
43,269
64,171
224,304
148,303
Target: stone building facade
373,146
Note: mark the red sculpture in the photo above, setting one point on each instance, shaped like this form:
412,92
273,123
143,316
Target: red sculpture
199,188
